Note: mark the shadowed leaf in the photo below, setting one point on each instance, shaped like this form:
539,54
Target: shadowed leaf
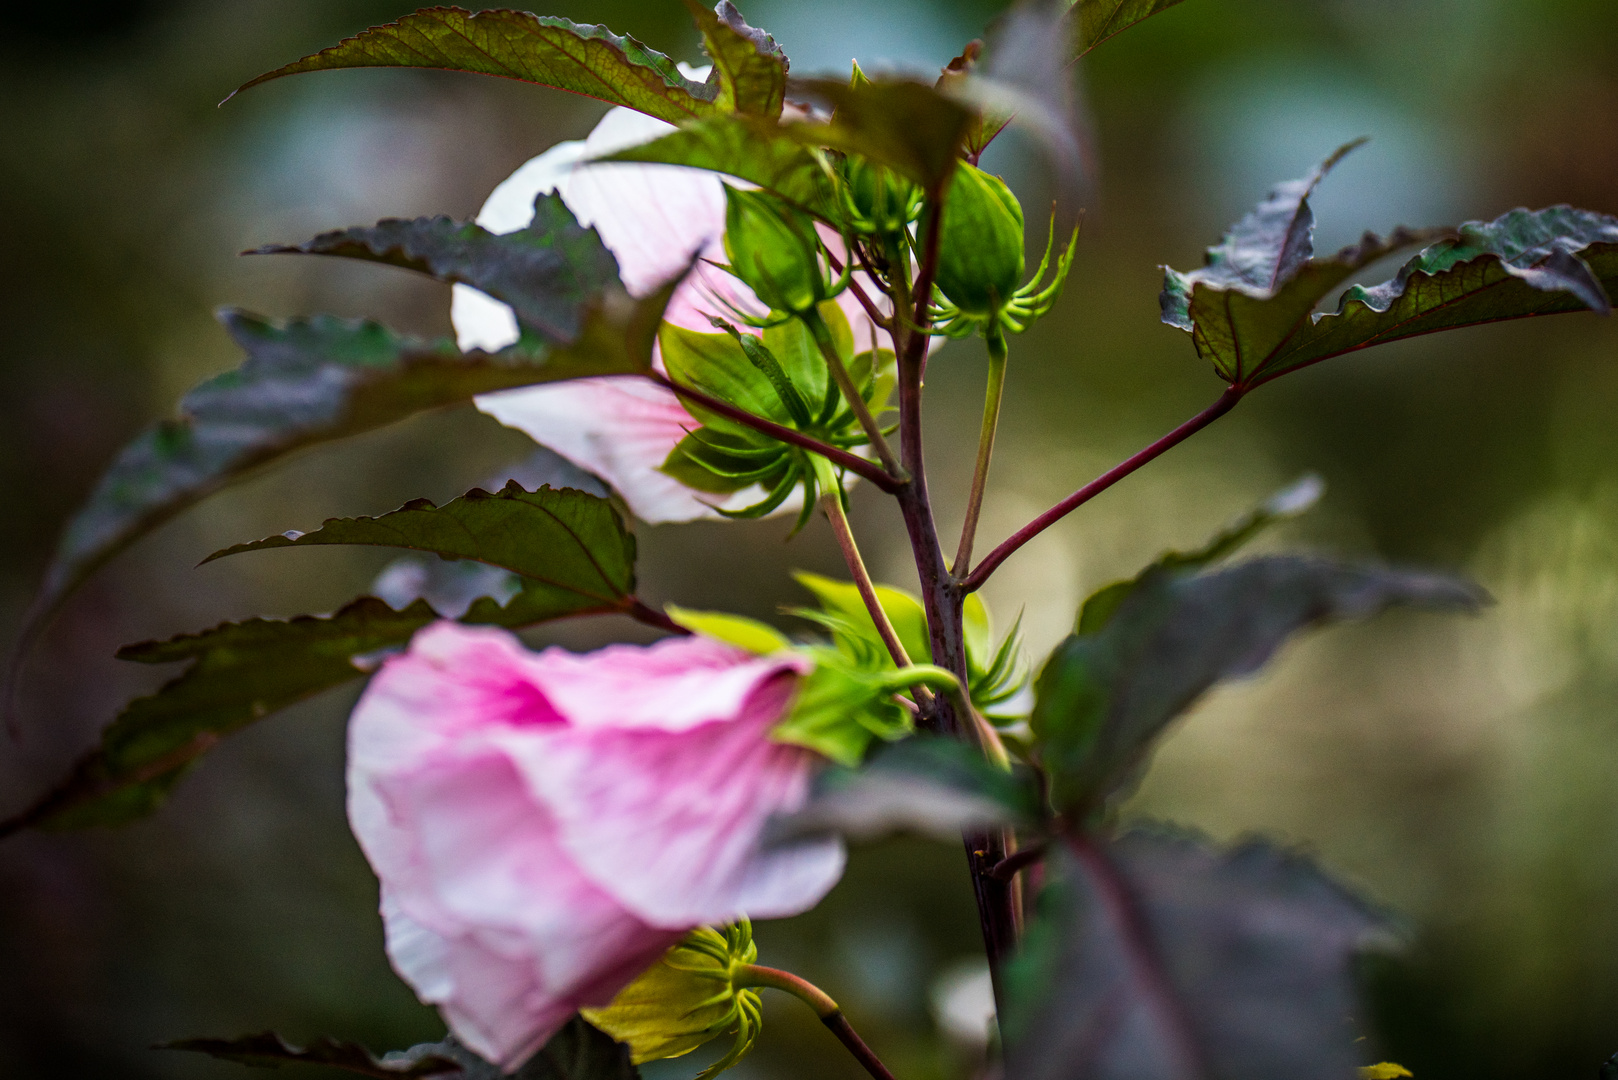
749,68
1251,310
546,272
1159,957
1100,20
564,542
1292,500
1104,698
573,547
267,1050
908,126
548,51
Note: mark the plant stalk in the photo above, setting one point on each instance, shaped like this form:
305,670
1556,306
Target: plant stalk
991,421
862,411
817,999
1227,401
831,504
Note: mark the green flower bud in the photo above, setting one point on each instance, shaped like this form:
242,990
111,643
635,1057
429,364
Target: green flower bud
980,258
686,999
880,200
775,250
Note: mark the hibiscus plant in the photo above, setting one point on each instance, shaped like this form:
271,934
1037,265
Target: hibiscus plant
722,304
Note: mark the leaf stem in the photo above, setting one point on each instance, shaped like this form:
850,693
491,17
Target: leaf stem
991,421
855,464
873,312
1227,401
817,999
831,504
856,401
642,612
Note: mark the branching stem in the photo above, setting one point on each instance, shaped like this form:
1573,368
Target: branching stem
855,464
1227,401
831,504
817,999
991,421
862,411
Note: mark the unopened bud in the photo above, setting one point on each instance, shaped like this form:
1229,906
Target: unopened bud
980,259
775,250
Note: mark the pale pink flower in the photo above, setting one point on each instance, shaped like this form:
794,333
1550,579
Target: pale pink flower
653,218
545,825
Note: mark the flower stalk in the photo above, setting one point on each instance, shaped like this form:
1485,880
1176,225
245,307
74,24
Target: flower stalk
830,1013
996,339
856,401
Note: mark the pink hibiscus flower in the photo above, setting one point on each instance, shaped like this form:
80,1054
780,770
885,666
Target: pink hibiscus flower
545,825
653,218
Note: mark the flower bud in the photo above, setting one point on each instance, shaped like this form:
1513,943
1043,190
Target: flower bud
775,250
881,201
980,259
687,999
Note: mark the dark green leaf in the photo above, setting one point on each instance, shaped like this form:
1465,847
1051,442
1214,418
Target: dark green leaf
1100,20
1289,502
309,381
932,786
1159,957
908,126
748,66
549,51
571,547
1251,310
267,1050
242,672
758,151
547,271
1103,699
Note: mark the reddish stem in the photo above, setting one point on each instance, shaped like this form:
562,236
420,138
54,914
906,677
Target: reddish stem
1227,401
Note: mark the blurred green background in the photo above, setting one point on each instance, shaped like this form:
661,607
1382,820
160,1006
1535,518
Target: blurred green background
1460,772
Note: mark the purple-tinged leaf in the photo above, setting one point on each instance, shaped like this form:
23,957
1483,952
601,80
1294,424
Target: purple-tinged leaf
267,1050
908,126
749,68
1100,20
547,272
545,50
573,549
1104,698
1159,957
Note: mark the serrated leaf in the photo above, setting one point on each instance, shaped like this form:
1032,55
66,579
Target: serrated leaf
749,68
572,546
925,785
1103,699
309,381
758,151
1251,310
545,50
908,126
1101,20
1160,957
267,1050
240,673
1294,499
546,272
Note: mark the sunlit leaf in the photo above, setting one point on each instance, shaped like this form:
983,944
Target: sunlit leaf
749,68
1292,500
574,553
308,381
267,1050
1104,698
1100,20
549,51
1251,310
547,272
1159,957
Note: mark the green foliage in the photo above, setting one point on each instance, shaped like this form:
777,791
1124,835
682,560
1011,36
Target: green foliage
774,249
548,51
547,272
907,126
573,550
980,257
1251,310
749,69
1156,955
267,1050
1103,698
847,702
1100,20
